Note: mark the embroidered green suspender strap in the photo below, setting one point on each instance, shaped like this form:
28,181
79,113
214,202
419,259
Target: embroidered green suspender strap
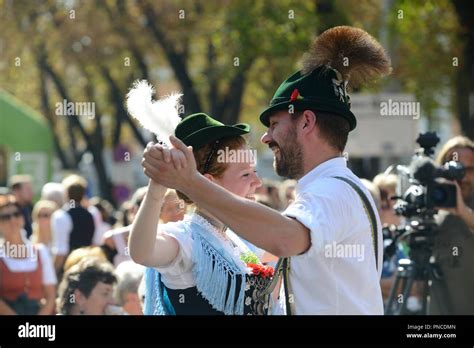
282,267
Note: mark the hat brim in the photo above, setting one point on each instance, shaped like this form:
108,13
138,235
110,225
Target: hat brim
301,105
210,134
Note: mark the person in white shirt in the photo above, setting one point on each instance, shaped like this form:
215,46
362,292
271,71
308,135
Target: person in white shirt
332,239
73,226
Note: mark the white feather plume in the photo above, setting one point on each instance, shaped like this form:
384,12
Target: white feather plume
158,116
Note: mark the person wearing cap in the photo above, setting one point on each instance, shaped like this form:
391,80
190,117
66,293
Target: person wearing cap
196,266
329,238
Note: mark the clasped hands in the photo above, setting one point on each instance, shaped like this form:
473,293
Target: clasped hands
171,167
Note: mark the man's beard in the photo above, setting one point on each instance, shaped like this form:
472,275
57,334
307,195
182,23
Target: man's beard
288,161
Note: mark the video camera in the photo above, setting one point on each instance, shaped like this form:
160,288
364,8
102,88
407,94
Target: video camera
421,187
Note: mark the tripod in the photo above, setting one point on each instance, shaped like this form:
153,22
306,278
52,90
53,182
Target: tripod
420,267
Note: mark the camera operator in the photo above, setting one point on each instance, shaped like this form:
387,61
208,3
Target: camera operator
454,244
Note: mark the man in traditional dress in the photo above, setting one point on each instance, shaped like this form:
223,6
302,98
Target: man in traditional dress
329,239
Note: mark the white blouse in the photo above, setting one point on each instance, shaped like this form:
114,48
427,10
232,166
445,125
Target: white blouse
30,264
178,274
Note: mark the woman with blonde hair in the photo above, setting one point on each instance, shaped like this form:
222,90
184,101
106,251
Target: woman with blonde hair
41,215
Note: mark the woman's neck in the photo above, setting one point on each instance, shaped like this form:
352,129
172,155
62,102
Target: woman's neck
14,238
211,219
43,235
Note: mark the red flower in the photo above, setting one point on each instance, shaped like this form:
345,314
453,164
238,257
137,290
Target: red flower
294,95
261,270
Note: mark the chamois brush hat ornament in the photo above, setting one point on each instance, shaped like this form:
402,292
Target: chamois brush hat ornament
340,57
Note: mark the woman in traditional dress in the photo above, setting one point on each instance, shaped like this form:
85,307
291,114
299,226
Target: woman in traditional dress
196,266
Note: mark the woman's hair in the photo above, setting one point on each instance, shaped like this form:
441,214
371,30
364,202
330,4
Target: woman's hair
207,158
53,191
459,142
374,192
77,255
84,277
129,275
42,204
386,183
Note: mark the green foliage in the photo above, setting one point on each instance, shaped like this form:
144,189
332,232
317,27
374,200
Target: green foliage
266,38
424,37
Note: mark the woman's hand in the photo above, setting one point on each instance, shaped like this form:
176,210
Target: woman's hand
173,167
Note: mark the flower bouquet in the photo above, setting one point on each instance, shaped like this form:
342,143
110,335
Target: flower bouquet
259,277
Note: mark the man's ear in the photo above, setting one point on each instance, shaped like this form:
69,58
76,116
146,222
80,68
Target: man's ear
308,121
78,298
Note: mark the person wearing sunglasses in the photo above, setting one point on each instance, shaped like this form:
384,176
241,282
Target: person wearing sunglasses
454,240
27,276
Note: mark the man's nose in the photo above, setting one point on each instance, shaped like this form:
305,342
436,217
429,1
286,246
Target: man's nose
266,138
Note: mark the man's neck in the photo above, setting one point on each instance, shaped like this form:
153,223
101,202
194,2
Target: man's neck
313,161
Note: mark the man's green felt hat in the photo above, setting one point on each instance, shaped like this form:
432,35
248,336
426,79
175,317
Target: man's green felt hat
321,90
199,129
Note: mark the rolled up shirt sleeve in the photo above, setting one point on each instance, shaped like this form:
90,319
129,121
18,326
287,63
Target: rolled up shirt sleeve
319,214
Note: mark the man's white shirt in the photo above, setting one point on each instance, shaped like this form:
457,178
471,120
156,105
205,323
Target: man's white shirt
62,225
337,274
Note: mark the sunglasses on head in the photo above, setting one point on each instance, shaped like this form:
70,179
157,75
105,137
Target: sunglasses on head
9,216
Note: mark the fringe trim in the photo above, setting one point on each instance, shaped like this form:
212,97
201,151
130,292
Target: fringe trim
212,272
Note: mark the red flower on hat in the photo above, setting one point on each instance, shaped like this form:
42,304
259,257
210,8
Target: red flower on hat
294,95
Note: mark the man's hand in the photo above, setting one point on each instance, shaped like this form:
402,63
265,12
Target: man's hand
173,168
